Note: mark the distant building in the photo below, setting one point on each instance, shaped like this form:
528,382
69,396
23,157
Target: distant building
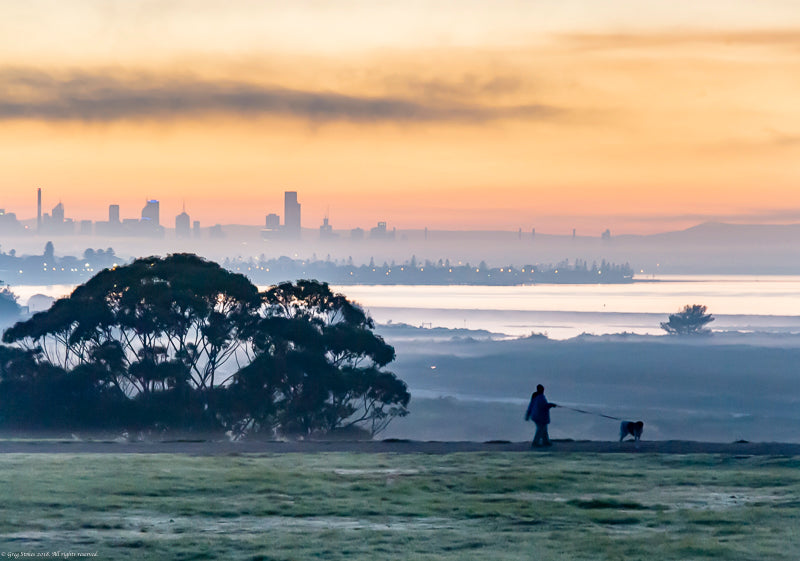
57,216
326,230
380,232
85,228
150,223
183,225
216,232
357,234
291,215
111,228
196,228
56,223
272,222
148,226
272,227
150,213
9,223
291,228
606,235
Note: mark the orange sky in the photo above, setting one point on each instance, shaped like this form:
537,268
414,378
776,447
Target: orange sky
451,115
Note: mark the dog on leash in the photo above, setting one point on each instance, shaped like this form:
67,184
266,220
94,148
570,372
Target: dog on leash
631,428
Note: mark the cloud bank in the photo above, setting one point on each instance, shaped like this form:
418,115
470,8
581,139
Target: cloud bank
97,97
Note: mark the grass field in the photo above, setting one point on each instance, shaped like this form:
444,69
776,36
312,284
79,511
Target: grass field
401,506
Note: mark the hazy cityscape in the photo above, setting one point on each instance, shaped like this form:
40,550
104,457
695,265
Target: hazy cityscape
709,248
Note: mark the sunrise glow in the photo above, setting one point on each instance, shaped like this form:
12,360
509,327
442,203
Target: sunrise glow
450,115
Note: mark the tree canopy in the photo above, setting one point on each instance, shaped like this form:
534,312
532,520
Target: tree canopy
691,320
9,308
180,342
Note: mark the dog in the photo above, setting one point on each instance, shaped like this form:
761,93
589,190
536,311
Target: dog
631,428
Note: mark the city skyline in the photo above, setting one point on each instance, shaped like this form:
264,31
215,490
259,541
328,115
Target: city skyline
451,115
152,222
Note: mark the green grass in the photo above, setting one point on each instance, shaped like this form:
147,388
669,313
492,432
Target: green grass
415,506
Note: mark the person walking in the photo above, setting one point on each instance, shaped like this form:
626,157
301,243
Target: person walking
539,413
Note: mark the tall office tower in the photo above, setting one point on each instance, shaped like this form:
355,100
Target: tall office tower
291,215
150,213
113,214
39,209
183,225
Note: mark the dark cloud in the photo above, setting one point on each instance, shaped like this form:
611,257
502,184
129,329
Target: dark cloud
86,96
468,86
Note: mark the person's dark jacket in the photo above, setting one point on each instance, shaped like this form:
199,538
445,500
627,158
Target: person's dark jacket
541,410
529,412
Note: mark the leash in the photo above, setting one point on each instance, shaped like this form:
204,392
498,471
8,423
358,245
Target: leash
589,412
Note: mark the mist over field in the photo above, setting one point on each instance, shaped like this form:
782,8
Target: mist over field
721,388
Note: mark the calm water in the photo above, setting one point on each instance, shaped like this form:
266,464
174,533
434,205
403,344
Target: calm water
746,303
769,303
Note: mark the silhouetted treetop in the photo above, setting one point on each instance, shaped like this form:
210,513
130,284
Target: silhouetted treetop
691,320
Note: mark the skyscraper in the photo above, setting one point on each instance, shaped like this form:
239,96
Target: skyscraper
113,214
291,215
183,225
150,213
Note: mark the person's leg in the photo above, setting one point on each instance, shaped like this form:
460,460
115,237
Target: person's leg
545,437
540,436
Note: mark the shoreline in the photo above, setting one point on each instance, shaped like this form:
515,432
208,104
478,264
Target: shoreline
201,447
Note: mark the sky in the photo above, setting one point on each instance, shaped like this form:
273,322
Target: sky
634,116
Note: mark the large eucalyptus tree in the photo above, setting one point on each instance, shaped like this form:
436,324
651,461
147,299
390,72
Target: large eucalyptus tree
183,333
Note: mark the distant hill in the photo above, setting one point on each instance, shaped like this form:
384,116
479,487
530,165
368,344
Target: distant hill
724,233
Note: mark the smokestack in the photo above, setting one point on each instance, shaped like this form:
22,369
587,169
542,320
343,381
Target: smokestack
38,209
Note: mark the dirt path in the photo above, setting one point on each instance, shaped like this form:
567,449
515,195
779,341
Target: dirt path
221,447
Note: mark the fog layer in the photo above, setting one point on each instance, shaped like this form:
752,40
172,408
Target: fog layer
718,388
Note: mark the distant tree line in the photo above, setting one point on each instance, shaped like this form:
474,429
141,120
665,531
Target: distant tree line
441,272
182,343
47,268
